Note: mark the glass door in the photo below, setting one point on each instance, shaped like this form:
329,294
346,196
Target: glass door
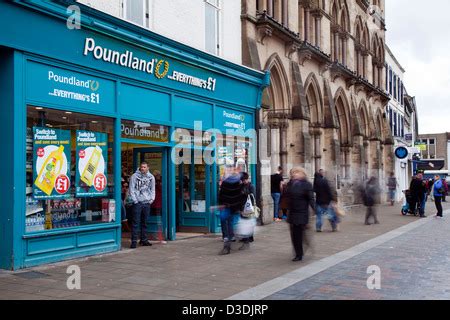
193,187
157,163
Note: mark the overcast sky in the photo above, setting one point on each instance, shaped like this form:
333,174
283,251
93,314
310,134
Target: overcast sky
419,37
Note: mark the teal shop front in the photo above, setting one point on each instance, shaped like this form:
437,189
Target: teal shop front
82,108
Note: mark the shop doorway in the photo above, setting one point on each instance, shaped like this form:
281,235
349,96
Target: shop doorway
156,157
193,191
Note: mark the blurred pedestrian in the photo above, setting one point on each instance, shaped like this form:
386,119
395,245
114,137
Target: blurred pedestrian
324,197
370,194
231,201
418,191
392,188
438,191
275,188
444,183
249,192
284,201
301,197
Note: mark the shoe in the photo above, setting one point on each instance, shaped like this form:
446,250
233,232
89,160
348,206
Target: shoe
245,245
133,245
225,251
335,230
297,259
377,222
145,243
284,217
367,223
233,239
319,231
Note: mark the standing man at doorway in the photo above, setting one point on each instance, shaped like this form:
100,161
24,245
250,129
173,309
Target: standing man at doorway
142,193
276,181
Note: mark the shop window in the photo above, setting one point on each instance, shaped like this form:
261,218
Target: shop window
69,170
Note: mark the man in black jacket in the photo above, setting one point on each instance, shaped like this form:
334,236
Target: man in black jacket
301,197
232,200
324,197
418,191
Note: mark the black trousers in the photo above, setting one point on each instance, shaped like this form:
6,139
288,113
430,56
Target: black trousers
297,238
438,203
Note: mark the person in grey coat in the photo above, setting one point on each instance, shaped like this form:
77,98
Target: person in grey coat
142,193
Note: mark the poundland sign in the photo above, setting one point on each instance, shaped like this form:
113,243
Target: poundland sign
160,68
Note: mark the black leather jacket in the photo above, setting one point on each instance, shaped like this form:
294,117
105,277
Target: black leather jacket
301,197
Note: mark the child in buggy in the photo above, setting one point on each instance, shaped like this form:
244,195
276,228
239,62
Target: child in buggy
409,202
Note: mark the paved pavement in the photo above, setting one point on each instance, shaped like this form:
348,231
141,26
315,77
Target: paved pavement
192,269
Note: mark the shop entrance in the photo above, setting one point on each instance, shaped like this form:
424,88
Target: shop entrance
156,157
193,189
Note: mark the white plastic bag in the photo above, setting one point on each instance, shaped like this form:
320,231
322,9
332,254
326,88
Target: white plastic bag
245,227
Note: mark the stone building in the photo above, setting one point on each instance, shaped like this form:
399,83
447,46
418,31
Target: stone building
325,106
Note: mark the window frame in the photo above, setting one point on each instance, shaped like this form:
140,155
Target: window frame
217,5
145,6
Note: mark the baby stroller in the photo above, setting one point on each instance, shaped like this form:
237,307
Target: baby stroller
407,207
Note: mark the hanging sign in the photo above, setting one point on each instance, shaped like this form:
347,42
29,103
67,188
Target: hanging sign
91,154
51,163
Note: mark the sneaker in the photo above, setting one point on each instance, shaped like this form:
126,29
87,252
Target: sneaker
133,245
318,230
233,239
225,251
297,259
244,246
145,243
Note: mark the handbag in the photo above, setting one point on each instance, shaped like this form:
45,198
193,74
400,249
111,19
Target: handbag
249,208
340,212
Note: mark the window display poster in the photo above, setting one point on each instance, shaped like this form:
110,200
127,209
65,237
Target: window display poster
51,160
91,158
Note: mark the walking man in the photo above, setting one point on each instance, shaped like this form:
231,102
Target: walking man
438,191
275,185
301,197
392,187
142,193
371,192
324,197
231,199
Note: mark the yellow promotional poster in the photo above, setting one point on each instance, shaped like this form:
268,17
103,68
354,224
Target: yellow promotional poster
91,173
51,163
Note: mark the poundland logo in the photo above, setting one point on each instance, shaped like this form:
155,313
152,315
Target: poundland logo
124,59
160,68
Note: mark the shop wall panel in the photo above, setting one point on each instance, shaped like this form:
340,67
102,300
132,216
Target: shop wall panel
96,238
143,103
194,221
66,88
187,111
51,244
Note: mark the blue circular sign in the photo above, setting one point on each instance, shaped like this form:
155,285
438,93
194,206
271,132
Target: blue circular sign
401,152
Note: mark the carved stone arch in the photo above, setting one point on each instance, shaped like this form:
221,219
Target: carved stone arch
364,116
343,116
375,45
314,99
334,12
359,30
329,108
366,37
356,127
279,91
344,17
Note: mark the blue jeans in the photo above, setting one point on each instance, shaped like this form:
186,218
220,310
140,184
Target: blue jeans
392,195
228,220
422,205
141,212
276,204
330,214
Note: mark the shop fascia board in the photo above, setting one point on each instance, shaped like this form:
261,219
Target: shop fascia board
124,31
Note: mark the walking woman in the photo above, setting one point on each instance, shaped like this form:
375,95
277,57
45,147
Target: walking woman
301,197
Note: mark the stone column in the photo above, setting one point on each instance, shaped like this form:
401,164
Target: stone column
375,157
336,46
270,7
318,31
307,21
285,12
283,145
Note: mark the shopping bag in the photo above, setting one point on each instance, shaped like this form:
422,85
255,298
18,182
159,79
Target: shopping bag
245,227
249,209
340,212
